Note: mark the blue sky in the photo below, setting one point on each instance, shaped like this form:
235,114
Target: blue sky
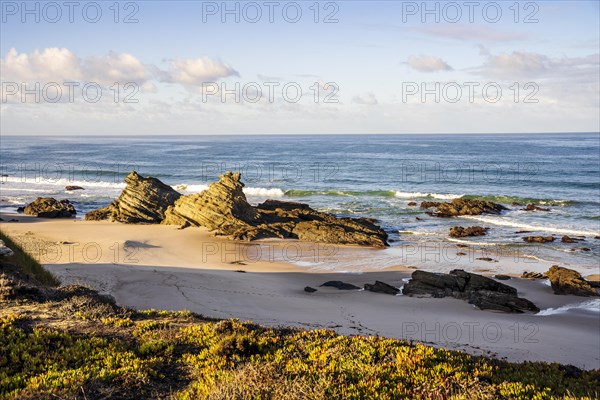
373,54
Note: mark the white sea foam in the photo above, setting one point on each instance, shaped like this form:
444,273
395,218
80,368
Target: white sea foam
13,181
249,191
589,305
503,221
473,243
263,192
410,195
418,233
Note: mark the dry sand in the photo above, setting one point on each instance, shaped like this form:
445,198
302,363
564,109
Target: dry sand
162,267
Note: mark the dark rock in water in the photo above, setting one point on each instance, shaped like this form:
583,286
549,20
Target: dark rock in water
459,207
459,231
309,289
71,188
585,249
1,219
13,220
460,253
412,203
490,300
488,259
502,277
597,237
533,275
21,210
223,209
533,207
381,287
340,285
484,292
48,207
523,231
515,204
144,200
567,239
538,239
462,245
568,281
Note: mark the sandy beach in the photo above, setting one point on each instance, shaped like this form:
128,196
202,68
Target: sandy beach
162,267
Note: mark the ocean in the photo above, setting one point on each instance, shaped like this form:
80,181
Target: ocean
349,175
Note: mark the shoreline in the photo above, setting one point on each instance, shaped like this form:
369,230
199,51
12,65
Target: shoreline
162,267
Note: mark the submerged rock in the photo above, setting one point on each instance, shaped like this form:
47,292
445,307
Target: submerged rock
459,231
48,207
533,275
533,207
481,291
71,188
381,287
568,281
568,239
309,289
459,207
223,209
538,239
144,200
340,285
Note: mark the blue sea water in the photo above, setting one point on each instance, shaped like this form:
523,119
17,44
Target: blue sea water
351,175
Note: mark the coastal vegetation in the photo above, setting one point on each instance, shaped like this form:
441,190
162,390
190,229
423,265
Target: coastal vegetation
72,343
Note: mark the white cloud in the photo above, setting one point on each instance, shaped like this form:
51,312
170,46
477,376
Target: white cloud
61,65
115,67
49,65
428,63
530,65
367,99
198,70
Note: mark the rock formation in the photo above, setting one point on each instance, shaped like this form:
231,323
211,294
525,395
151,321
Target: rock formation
71,188
48,207
538,239
568,239
568,281
340,285
459,231
483,292
381,287
224,210
533,207
144,200
533,275
459,207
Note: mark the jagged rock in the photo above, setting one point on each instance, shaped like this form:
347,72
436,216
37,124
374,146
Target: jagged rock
71,188
412,203
459,231
483,292
533,275
48,207
463,207
5,251
340,285
568,239
20,210
568,281
533,207
381,287
490,300
538,239
223,209
144,200
309,289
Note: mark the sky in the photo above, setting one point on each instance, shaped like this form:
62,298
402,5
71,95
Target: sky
304,67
